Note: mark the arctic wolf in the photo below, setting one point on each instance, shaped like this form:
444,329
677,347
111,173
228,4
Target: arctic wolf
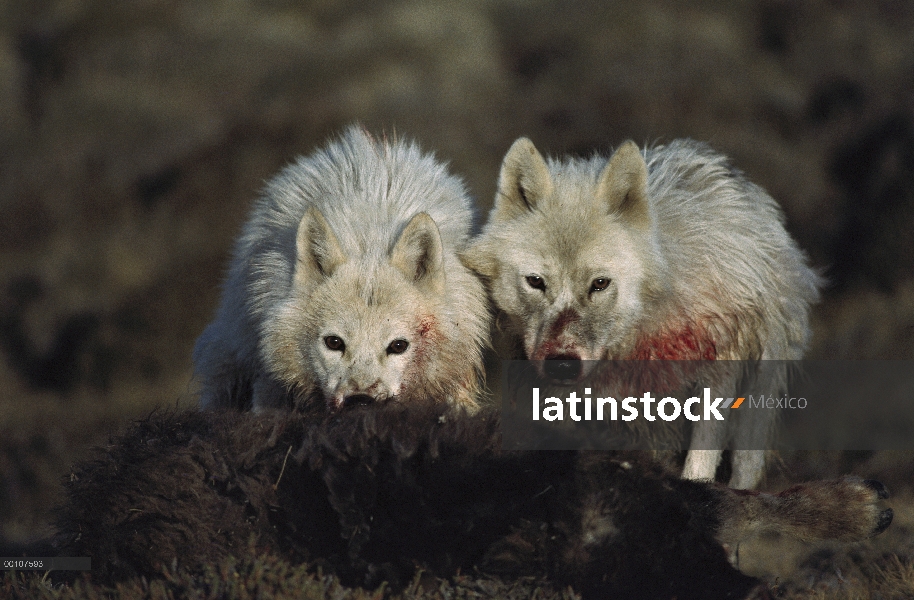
666,253
345,285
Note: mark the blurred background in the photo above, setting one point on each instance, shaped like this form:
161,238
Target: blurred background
134,135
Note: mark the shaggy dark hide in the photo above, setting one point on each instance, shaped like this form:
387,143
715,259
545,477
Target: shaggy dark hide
372,494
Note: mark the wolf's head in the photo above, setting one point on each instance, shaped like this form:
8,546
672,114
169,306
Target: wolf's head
569,254
360,329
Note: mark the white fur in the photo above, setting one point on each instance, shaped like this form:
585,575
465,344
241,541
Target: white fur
358,240
688,245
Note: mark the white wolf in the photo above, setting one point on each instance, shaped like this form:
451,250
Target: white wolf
669,253
345,285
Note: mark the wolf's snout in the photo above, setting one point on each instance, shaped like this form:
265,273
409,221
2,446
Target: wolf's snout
563,367
357,400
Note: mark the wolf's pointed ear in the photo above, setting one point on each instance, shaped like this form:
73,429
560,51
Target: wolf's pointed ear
623,186
477,258
319,252
418,254
524,181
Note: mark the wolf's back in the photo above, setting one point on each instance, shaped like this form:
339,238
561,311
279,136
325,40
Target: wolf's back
730,260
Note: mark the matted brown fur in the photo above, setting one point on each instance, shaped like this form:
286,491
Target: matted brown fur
373,493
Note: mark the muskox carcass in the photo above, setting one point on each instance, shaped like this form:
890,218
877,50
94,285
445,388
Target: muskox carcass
374,493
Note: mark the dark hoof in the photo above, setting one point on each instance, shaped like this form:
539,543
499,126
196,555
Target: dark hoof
880,490
885,519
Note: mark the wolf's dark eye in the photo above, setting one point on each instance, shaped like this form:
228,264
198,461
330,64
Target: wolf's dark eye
599,284
397,347
334,343
536,282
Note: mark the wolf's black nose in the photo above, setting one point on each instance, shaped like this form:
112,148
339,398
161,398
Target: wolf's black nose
357,400
563,367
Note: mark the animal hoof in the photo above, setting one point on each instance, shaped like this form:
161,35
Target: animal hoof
880,490
885,519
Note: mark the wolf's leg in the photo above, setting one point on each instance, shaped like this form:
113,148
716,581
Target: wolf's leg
709,438
705,450
754,429
748,469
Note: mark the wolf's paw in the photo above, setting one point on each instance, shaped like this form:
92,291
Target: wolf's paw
847,509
